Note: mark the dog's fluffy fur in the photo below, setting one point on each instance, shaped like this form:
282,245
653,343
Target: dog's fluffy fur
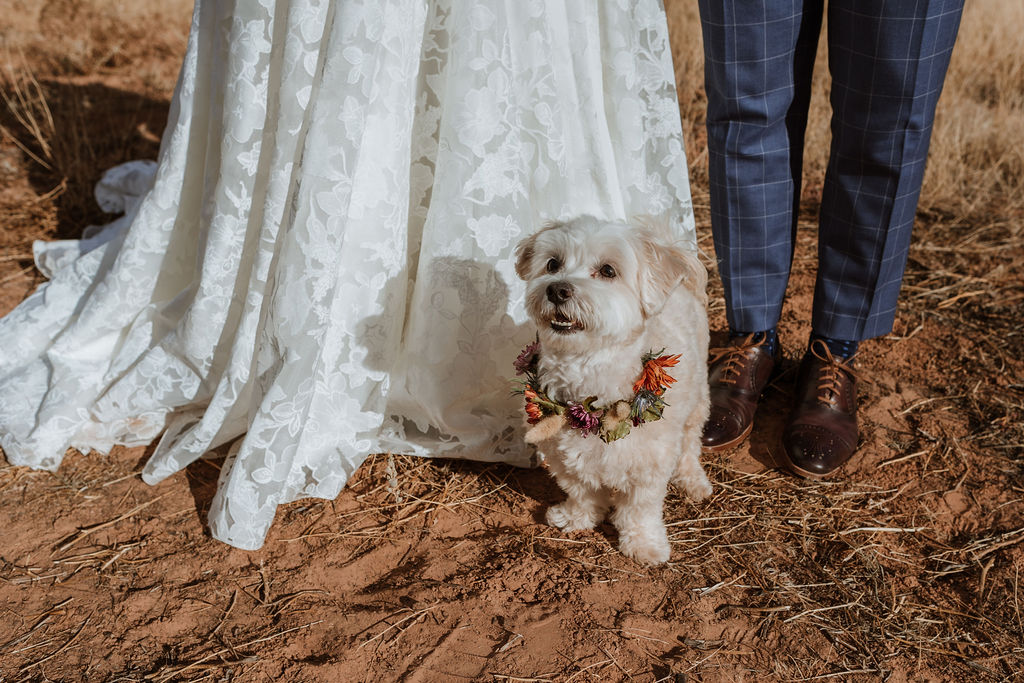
651,298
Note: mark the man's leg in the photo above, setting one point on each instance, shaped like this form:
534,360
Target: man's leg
758,61
888,60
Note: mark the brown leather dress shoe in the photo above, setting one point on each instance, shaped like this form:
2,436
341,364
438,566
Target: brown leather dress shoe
737,375
821,433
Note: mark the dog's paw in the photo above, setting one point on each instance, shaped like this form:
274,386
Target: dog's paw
698,490
569,518
646,551
696,487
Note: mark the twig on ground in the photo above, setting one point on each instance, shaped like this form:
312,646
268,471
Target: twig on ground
84,532
56,652
170,672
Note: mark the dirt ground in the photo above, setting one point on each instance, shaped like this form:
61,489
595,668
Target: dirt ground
907,568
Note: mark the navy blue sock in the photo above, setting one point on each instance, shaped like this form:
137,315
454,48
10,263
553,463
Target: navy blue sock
840,348
770,337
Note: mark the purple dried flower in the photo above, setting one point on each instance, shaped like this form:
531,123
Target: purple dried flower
525,360
582,419
642,402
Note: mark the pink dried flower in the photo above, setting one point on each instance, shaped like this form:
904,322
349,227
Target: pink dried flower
582,419
525,360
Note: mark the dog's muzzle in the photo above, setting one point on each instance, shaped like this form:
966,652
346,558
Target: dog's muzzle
560,293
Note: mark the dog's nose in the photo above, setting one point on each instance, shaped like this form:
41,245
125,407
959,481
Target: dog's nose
560,292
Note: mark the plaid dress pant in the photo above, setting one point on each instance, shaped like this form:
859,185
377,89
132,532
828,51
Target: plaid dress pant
888,60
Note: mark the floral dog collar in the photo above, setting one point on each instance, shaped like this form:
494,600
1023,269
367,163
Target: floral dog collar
612,422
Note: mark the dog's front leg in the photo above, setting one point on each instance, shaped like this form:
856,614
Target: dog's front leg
638,519
585,507
689,474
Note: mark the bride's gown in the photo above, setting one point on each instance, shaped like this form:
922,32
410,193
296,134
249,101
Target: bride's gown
323,266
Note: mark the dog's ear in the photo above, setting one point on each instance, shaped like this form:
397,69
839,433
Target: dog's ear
667,264
525,250
524,254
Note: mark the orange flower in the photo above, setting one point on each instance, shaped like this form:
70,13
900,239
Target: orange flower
654,376
533,412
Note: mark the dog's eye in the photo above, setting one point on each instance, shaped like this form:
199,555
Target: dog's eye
553,265
607,271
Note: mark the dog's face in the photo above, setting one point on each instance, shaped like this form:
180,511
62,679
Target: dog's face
589,279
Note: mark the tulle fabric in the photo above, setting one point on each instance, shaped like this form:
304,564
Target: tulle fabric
320,265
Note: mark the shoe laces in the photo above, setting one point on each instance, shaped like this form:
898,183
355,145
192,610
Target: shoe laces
733,357
831,373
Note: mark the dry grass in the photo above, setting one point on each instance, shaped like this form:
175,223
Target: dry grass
976,169
908,569
85,86
136,40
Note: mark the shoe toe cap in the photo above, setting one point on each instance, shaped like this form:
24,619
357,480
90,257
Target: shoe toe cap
815,451
722,429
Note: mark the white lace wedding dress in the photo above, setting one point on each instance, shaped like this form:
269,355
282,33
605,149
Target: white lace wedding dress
320,264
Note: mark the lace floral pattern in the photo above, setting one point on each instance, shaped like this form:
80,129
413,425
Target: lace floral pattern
321,267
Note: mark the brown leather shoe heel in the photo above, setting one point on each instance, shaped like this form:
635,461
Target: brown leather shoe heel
737,375
821,433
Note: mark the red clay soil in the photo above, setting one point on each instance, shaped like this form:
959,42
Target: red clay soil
907,568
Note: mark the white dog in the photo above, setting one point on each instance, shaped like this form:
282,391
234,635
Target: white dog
607,297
